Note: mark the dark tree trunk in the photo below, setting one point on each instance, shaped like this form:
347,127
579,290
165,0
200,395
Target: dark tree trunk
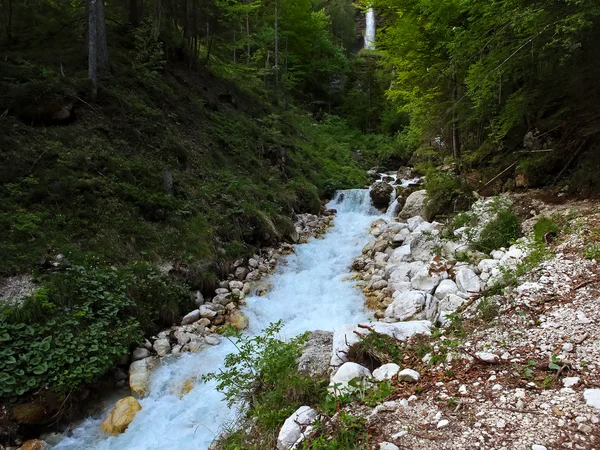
92,47
102,44
134,13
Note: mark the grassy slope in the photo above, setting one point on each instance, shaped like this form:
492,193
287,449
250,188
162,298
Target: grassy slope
94,187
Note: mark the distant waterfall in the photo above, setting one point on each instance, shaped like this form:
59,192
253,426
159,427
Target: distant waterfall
370,30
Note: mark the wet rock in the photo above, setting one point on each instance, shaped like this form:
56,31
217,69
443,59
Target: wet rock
35,444
296,427
239,320
121,416
381,194
316,354
139,377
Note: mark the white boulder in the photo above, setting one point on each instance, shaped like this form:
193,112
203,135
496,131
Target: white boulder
406,306
410,375
445,288
468,281
296,428
386,372
349,377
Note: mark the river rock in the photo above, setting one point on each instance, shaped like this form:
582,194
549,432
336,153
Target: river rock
414,205
407,305
239,320
139,377
468,281
316,354
236,284
343,381
162,347
121,416
401,254
380,194
241,273
191,317
140,353
207,312
386,372
296,428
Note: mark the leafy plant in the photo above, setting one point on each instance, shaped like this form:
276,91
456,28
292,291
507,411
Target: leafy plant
499,232
263,376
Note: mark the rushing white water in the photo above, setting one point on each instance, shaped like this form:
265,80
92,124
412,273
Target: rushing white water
370,30
309,291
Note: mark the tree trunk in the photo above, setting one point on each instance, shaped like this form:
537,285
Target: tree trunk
134,13
276,52
92,44
248,36
455,134
102,44
157,19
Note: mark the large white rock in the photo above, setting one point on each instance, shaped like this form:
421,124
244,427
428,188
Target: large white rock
296,428
401,236
349,377
448,305
468,281
426,281
422,247
446,287
386,372
388,446
400,273
406,306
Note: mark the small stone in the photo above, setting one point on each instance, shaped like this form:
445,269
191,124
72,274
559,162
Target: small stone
212,339
488,357
388,446
443,423
570,381
501,423
538,447
584,428
192,317
462,390
567,347
409,375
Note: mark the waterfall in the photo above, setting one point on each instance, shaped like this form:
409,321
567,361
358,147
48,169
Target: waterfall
370,30
310,291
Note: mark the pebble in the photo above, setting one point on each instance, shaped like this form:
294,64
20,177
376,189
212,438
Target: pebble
443,423
538,447
584,428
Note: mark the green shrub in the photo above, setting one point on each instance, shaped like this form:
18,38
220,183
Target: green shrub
263,374
499,232
71,332
446,193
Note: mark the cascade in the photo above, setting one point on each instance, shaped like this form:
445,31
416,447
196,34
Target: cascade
370,30
309,291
